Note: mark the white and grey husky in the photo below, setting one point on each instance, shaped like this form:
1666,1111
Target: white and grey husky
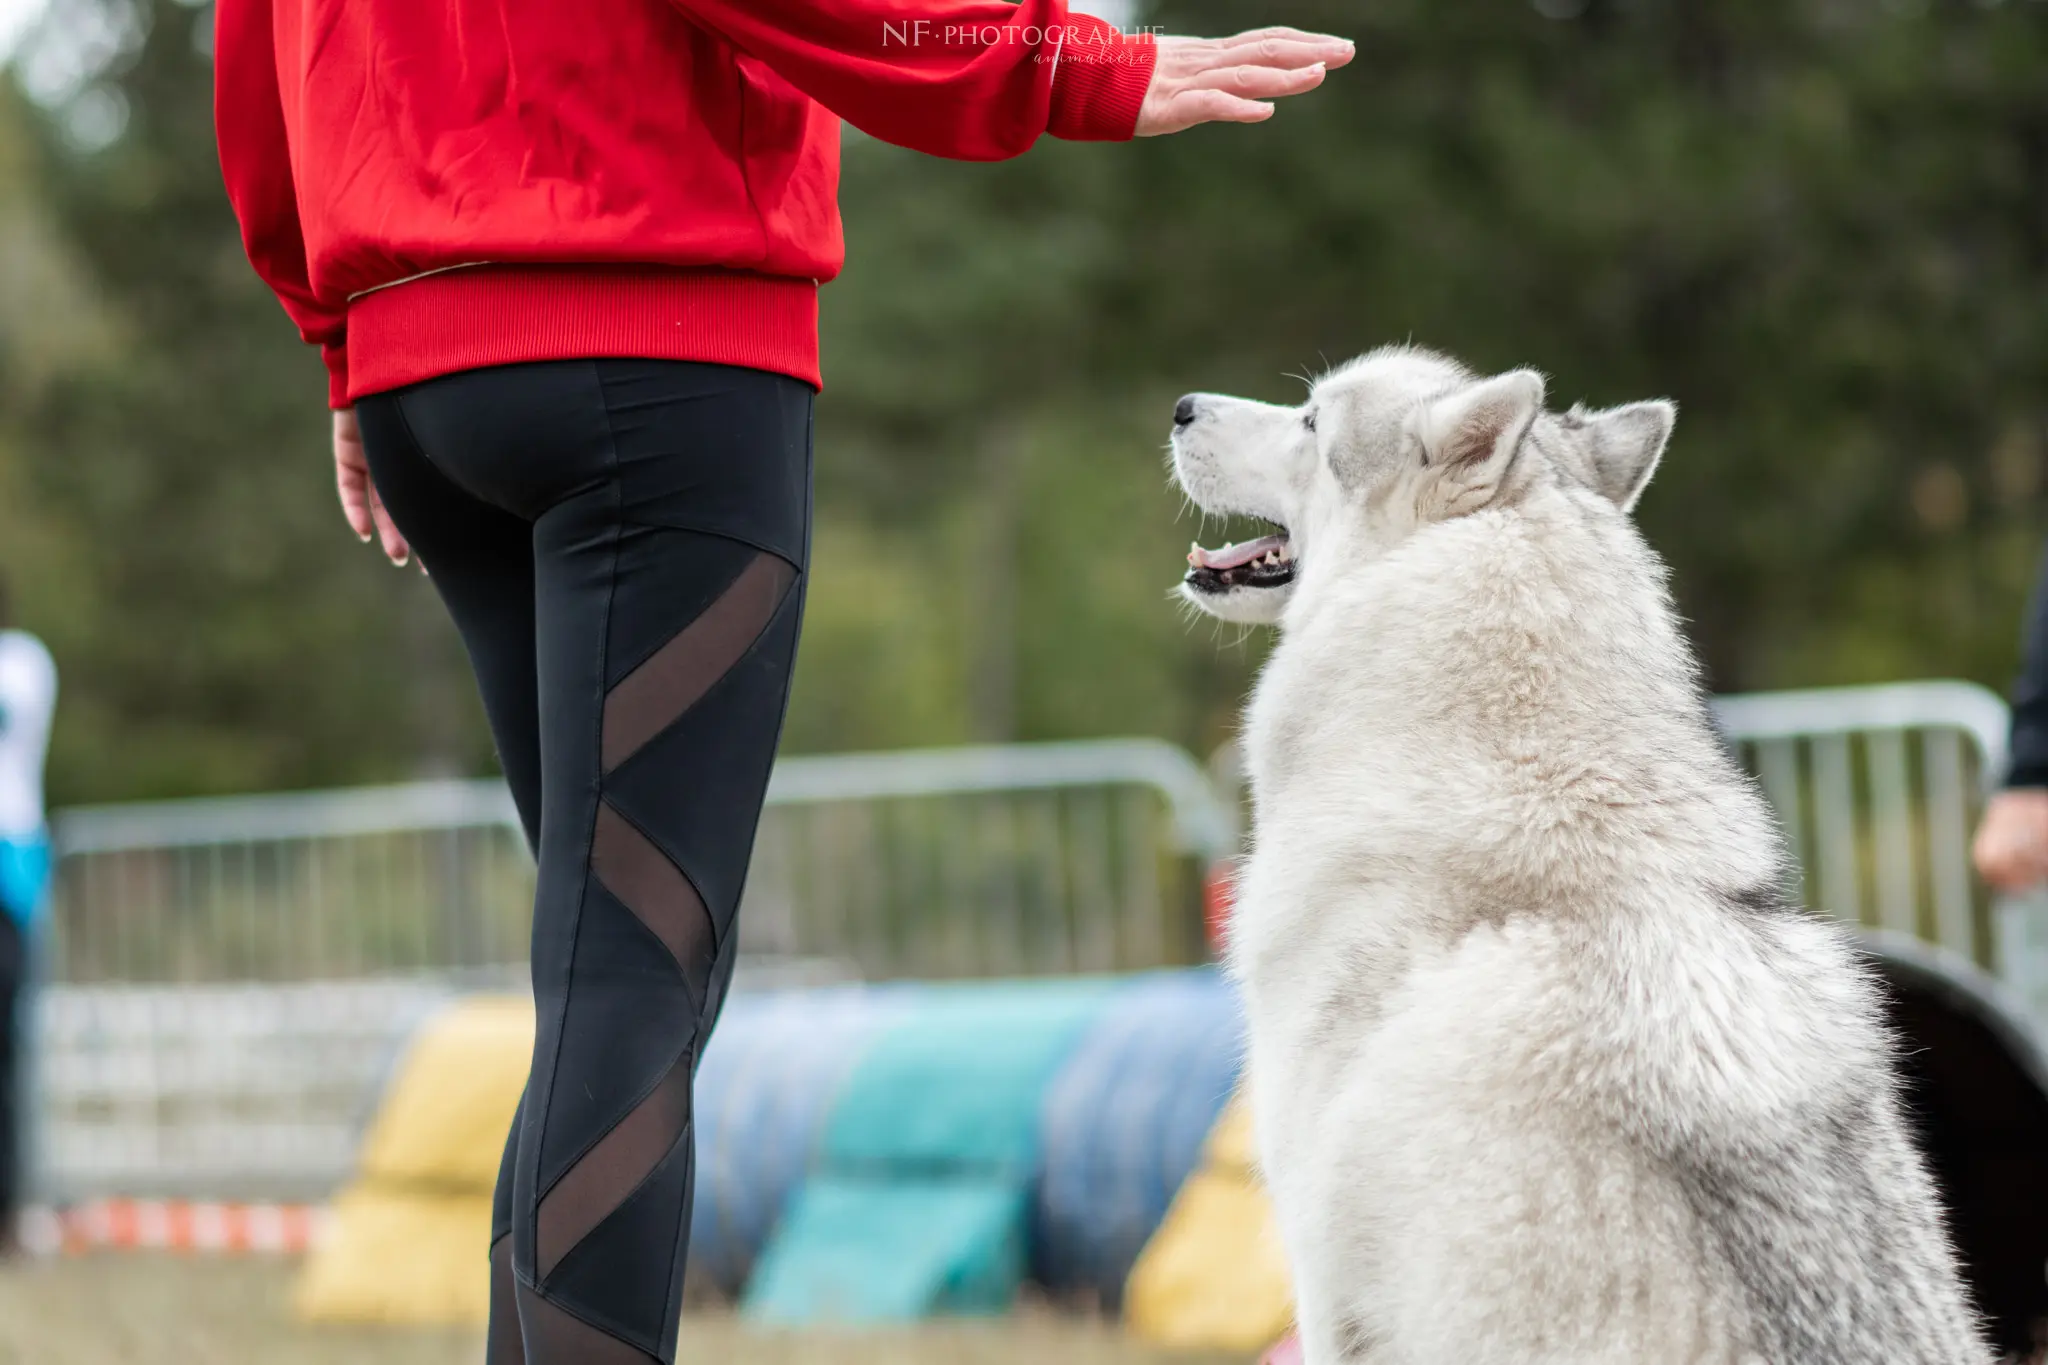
1544,1070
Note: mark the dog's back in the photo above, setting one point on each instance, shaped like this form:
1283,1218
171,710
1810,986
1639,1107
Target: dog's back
1543,1068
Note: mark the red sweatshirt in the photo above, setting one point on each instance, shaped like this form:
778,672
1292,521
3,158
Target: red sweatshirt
434,185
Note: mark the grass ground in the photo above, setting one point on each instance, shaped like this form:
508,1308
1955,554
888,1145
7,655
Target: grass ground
153,1310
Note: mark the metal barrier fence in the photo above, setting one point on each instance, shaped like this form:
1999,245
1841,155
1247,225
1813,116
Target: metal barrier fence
241,1091
231,978
1878,791
431,878
1015,859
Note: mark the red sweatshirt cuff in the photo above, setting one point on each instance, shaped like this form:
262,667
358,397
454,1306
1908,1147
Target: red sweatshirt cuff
1101,82
336,355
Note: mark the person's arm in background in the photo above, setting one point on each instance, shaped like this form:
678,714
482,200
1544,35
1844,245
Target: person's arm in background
255,161
982,80
2011,850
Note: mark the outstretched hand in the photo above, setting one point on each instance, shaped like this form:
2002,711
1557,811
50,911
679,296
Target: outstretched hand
1235,80
359,500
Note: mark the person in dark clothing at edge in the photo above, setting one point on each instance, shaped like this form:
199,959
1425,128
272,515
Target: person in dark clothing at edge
2011,850
563,264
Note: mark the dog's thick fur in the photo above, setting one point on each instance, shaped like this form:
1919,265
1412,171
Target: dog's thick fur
1544,1071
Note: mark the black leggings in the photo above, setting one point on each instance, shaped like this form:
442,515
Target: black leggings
622,544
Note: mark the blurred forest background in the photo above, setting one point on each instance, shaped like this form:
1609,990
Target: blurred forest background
1821,225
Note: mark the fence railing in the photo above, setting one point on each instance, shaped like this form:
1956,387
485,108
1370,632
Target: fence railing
230,978
428,878
1878,790
1013,860
1041,858
243,1090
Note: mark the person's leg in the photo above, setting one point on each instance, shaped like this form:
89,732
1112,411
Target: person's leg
480,558
670,510
13,973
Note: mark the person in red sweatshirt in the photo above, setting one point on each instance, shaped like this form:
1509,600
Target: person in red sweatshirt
563,264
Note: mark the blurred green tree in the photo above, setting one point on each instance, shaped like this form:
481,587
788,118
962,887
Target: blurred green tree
1818,224
214,629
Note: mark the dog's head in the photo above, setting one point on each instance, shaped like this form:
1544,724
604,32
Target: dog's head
1397,440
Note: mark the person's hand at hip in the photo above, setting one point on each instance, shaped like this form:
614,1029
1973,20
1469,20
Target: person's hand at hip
1235,80
359,500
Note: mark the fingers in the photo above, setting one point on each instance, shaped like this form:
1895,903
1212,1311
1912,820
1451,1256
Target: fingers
1261,82
1277,33
1193,107
360,504
1229,80
366,514
1286,53
395,548
1235,94
352,482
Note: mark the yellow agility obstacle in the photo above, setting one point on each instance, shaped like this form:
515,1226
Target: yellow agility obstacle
406,1244
1213,1277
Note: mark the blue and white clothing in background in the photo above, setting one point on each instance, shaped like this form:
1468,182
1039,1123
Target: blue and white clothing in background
28,700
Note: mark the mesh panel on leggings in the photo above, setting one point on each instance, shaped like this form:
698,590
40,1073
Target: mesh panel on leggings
503,1347
605,1175
605,1178
552,1335
651,698
655,889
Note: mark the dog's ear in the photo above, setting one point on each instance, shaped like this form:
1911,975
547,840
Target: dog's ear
1625,444
1473,434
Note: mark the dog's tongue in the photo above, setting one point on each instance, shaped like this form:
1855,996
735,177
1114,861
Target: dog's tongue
1232,556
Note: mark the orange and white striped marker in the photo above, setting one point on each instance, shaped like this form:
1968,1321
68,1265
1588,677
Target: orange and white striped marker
178,1225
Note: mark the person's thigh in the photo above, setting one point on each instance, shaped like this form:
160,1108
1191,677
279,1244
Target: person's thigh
480,558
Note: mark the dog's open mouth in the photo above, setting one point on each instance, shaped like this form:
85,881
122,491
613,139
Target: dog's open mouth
1264,563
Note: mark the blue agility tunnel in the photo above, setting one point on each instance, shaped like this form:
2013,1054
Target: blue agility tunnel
767,1084
883,1153
919,1203
1123,1125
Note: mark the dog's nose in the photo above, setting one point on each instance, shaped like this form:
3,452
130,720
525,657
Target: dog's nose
1184,411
